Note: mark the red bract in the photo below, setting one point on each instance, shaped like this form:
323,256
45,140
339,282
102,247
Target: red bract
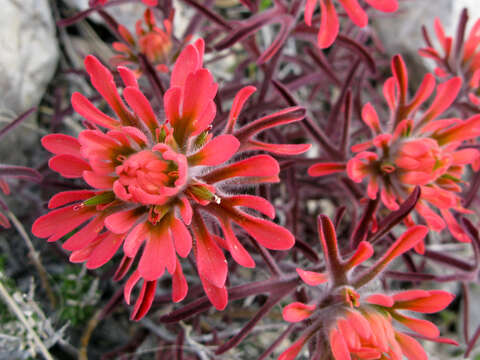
463,60
153,181
361,326
146,2
6,190
420,149
329,24
153,42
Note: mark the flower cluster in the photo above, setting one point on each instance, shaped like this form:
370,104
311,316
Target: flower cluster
329,24
419,149
152,181
362,326
463,60
170,173
153,42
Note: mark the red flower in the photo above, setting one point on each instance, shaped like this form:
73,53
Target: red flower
363,327
153,181
419,149
329,24
152,41
465,62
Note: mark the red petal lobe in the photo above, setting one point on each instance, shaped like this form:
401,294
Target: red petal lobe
68,166
297,312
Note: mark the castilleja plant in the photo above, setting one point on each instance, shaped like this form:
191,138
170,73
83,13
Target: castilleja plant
349,322
329,24
457,57
416,148
174,177
151,41
160,183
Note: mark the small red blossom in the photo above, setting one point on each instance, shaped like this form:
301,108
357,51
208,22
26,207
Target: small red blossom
153,42
329,24
152,181
463,61
362,326
420,149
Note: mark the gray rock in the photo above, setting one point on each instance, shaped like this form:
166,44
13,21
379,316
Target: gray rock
27,63
401,31
29,52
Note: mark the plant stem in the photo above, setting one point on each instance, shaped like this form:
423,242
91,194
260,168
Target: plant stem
19,314
35,258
